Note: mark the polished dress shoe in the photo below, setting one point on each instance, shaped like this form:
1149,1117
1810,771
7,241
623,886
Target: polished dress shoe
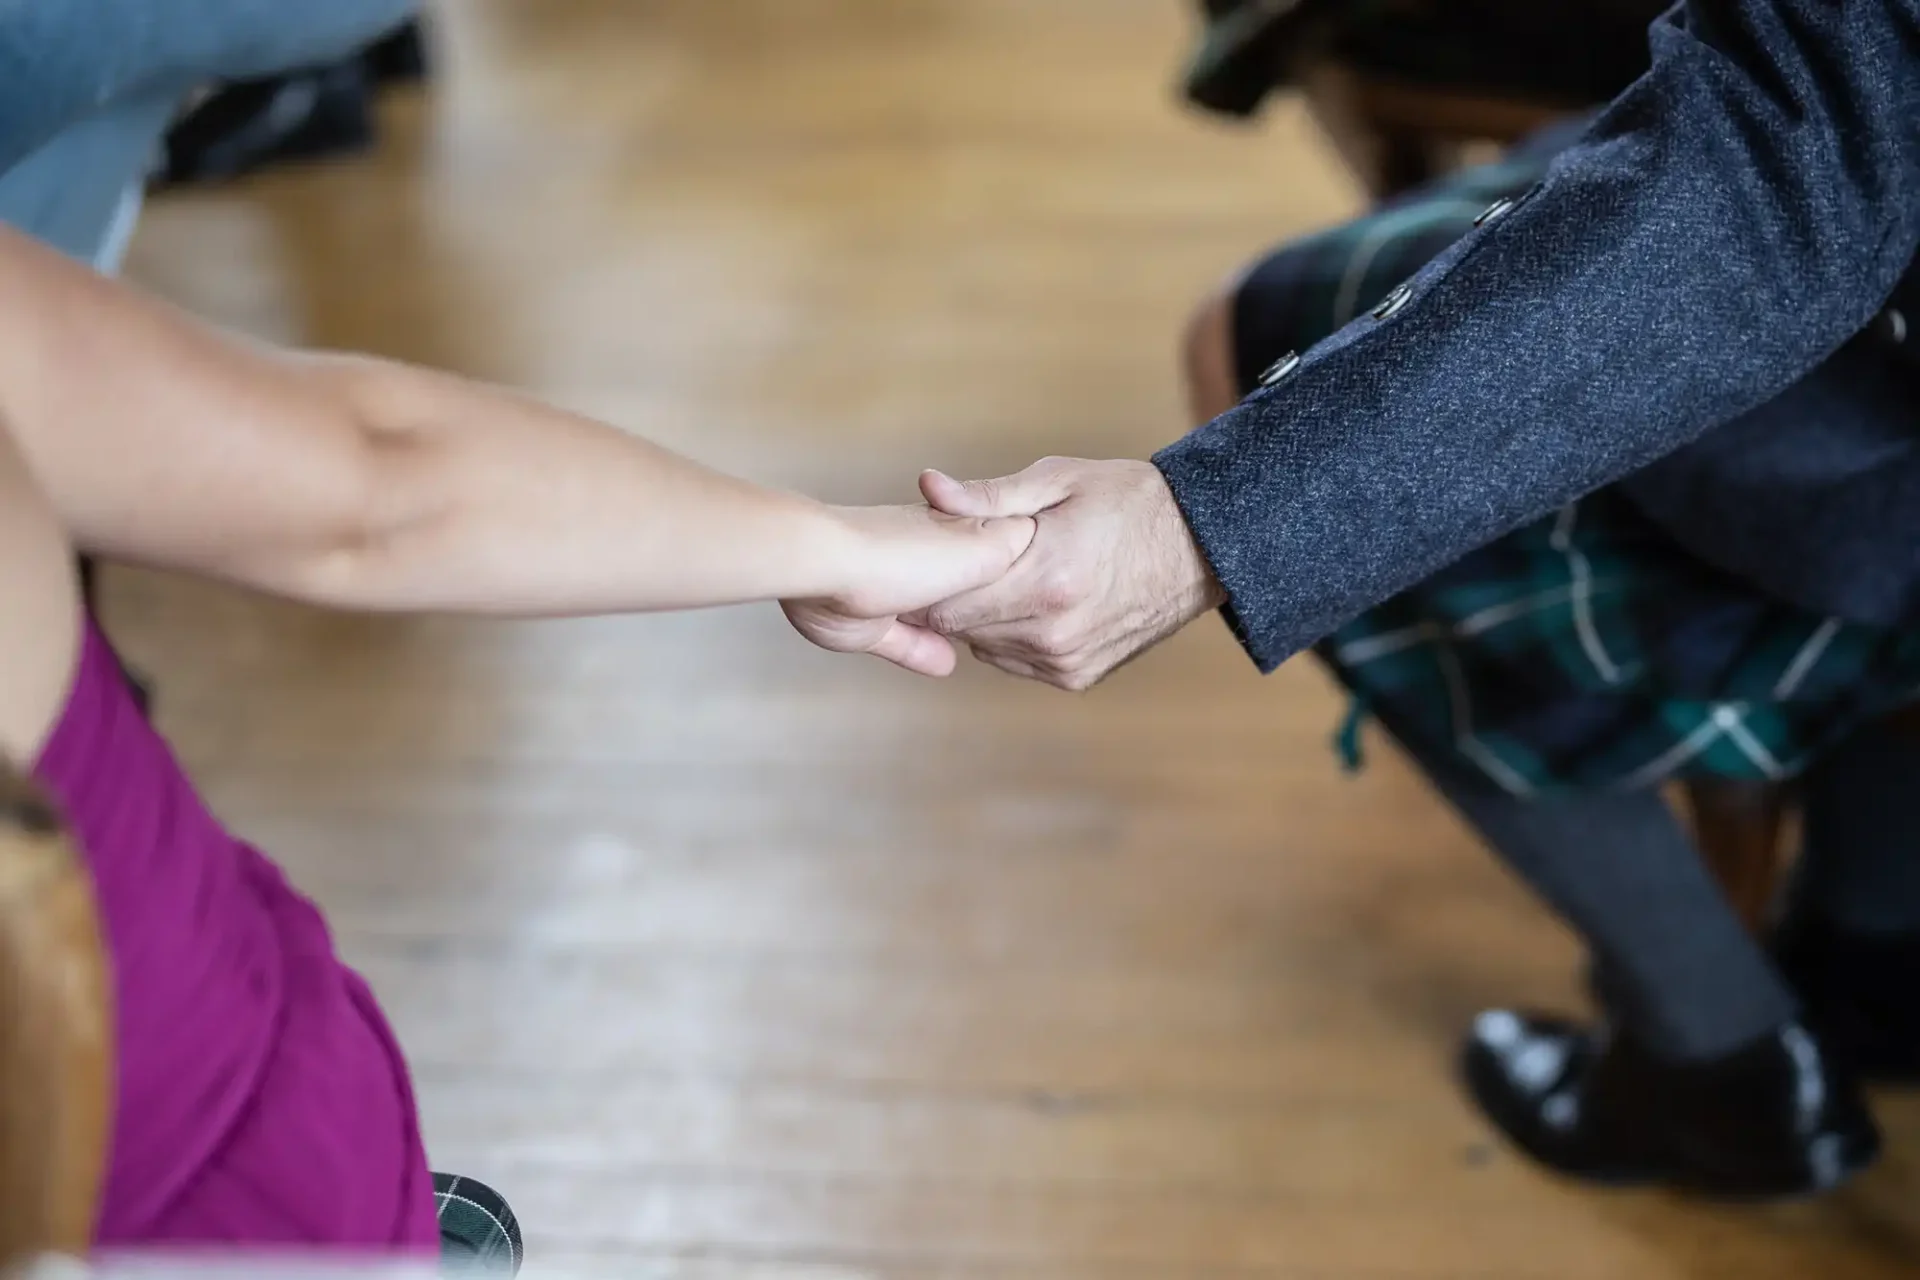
1861,993
1775,1119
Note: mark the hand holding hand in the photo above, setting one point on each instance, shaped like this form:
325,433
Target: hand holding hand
1113,570
899,560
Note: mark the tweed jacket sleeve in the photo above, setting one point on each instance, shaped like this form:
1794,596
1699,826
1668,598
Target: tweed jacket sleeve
1728,222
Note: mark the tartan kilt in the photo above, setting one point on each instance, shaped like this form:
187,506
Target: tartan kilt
1587,650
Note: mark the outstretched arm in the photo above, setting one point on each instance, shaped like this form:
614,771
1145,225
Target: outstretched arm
365,484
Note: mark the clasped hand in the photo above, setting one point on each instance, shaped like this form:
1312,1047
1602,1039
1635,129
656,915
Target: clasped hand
1058,574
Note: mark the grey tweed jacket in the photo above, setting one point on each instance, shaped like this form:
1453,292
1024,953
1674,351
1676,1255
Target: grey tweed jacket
1699,301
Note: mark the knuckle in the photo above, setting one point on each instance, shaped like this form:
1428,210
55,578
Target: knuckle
1058,586
1069,678
1056,638
1076,671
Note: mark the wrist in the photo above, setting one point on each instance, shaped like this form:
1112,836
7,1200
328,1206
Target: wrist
828,544
1200,589
1203,593
1211,595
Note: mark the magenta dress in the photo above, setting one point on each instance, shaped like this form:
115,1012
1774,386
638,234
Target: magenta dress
261,1098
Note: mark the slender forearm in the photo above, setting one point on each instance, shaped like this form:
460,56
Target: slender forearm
363,483
483,501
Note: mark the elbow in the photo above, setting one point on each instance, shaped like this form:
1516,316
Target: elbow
364,503
1782,135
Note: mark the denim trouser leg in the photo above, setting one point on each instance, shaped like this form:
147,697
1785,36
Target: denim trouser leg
81,191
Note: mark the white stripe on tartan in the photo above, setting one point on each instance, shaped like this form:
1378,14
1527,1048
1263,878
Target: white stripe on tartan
504,1238
1356,653
1347,300
1582,574
1803,661
1360,652
451,1194
1499,615
1664,764
1752,747
1464,740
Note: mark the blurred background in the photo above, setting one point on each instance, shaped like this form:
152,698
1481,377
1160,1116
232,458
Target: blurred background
723,957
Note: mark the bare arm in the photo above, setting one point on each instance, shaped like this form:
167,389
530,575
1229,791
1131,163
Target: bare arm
365,484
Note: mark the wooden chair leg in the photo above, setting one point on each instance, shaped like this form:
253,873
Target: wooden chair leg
1406,160
1737,827
55,1035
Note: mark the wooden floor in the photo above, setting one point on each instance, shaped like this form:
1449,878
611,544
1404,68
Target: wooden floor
726,958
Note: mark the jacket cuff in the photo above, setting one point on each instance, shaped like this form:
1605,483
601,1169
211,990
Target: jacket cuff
1205,491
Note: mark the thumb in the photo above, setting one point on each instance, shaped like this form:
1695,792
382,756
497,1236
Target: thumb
993,547
1013,535
1029,493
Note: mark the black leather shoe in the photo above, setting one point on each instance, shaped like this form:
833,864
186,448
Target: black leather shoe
1776,1119
1861,993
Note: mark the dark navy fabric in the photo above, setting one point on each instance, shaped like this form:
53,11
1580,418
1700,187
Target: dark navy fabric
1722,230
1815,495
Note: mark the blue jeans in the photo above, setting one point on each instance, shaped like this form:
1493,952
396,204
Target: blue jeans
80,192
88,88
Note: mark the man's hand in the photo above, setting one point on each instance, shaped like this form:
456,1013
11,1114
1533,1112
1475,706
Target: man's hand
1112,570
899,560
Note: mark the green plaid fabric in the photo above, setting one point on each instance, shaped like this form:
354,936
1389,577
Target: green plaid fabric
1586,650
478,1232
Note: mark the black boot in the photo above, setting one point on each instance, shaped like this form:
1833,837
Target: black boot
1775,1119
1861,993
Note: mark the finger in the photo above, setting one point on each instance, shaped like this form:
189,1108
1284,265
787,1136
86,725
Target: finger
994,548
1003,662
835,631
1006,600
1013,534
1018,639
996,545
917,649
1044,484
